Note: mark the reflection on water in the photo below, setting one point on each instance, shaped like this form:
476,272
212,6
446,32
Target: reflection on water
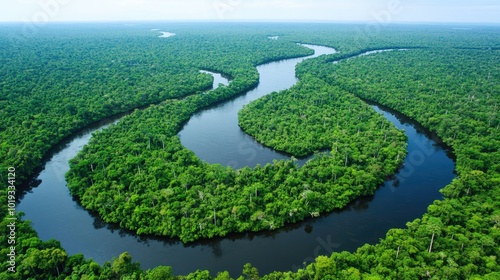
56,215
214,134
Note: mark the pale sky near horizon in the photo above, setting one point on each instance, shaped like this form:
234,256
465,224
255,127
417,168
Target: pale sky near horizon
466,11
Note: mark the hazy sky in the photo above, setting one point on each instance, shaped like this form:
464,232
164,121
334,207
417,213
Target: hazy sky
283,10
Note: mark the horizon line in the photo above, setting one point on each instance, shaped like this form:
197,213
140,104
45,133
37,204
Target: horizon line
248,21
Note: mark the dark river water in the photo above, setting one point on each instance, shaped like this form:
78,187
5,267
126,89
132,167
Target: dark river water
214,136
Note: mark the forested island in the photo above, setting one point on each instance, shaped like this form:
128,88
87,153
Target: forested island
136,173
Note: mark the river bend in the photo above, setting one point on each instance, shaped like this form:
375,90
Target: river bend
427,168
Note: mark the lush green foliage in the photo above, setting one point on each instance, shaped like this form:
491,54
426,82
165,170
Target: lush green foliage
456,94
452,91
149,183
138,175
65,77
51,85
49,92
314,116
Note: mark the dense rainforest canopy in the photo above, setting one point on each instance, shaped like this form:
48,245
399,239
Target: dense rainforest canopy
137,174
66,77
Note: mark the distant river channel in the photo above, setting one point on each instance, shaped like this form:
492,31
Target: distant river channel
215,137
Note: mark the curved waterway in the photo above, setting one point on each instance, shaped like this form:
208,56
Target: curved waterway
214,134
427,168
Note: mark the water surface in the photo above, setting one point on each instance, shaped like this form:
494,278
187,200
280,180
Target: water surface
426,169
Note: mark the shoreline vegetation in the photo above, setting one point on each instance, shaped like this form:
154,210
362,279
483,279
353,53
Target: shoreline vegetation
242,200
455,94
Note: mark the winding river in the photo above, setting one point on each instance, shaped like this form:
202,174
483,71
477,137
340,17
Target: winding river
427,168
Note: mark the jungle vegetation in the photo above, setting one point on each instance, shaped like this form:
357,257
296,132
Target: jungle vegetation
449,85
153,185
